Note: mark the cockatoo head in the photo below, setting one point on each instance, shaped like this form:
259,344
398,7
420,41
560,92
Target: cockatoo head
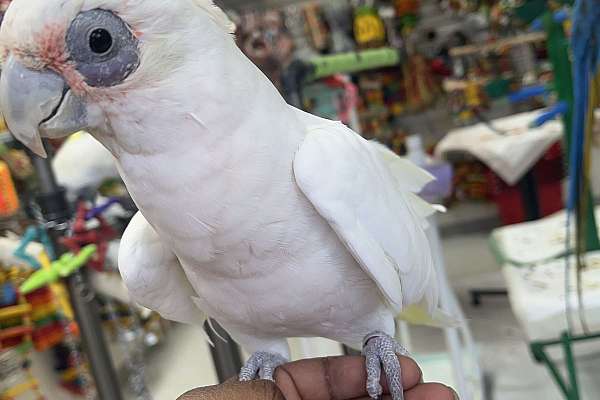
70,65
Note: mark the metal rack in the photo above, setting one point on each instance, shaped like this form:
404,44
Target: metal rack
56,214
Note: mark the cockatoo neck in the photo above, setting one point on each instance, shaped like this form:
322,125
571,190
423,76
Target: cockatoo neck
215,132
212,95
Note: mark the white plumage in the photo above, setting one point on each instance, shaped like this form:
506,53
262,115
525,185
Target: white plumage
278,269
382,225
145,282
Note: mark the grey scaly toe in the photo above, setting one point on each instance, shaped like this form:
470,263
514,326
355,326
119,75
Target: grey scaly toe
261,365
381,350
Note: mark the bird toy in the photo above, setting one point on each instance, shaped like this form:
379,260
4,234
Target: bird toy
83,234
66,265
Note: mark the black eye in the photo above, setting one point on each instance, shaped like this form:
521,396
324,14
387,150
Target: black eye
100,41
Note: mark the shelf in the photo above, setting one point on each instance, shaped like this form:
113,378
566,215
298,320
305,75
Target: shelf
498,45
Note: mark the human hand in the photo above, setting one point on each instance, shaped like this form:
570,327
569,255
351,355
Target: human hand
340,378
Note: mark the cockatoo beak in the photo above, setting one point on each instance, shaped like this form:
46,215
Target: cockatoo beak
38,104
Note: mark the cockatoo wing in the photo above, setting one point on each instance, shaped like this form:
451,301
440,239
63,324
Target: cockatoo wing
367,194
154,276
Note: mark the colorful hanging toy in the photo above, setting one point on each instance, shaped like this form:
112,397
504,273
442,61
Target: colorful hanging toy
83,234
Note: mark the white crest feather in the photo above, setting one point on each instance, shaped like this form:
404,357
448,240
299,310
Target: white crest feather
217,14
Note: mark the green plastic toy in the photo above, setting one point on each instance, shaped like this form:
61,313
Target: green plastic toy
348,63
62,268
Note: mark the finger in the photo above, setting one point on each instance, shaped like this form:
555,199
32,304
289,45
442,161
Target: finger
431,391
379,398
233,390
335,377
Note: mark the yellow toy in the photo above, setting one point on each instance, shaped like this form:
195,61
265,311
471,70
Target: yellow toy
58,289
369,29
473,95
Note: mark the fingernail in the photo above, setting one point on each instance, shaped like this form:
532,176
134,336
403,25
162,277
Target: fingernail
454,393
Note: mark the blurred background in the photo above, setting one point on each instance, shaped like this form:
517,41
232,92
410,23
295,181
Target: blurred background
480,93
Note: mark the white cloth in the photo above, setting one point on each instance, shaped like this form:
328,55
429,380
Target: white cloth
537,296
533,242
511,155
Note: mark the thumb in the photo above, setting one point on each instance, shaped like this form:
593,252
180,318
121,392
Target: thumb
233,390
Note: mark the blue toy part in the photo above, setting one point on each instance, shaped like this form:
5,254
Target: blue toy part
32,234
560,17
537,25
21,251
558,109
527,93
8,295
585,42
97,211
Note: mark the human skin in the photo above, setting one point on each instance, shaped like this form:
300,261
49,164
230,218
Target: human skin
332,378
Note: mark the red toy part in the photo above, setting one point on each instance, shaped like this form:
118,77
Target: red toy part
18,332
73,388
48,336
40,297
82,237
406,7
13,337
73,328
439,67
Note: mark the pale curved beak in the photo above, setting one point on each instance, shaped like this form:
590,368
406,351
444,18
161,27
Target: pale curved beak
38,104
27,98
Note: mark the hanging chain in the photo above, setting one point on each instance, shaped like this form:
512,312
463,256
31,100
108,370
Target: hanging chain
70,341
130,341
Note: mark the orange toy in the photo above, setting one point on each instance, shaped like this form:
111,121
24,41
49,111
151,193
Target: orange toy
9,201
406,7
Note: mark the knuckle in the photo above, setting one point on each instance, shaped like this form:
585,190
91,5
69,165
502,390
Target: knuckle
412,374
267,390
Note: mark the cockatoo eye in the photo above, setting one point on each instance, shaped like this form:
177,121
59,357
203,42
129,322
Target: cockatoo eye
103,48
100,41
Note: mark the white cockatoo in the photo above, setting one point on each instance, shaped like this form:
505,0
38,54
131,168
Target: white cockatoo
272,221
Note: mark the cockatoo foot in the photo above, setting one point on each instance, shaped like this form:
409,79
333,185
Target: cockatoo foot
381,350
261,365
